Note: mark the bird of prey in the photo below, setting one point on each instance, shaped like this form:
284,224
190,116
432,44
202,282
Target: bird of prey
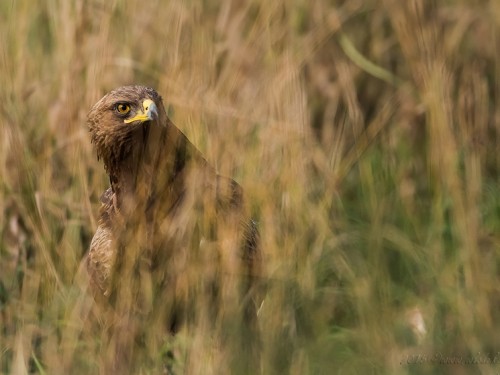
171,230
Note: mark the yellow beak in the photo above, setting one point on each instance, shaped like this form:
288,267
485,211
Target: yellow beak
149,112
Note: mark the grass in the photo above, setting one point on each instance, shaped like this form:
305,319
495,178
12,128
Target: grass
365,134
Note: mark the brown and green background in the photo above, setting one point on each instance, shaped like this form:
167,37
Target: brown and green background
366,135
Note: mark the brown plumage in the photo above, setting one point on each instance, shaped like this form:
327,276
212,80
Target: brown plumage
171,230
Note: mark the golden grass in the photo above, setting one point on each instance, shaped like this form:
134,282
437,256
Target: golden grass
365,134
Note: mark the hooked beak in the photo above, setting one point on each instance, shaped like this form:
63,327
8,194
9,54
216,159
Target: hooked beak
149,112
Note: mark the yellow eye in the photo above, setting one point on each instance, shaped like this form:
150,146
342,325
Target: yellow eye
122,108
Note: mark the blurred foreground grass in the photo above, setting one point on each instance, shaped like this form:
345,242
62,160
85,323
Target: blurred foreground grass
366,136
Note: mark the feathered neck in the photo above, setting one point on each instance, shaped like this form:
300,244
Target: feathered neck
149,160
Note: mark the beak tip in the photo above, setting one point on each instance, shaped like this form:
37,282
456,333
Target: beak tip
152,111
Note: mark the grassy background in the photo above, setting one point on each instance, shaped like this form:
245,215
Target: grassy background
366,135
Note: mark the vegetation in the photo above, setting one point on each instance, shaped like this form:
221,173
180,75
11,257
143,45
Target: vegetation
366,135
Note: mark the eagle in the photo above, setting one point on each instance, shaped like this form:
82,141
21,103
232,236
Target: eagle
173,234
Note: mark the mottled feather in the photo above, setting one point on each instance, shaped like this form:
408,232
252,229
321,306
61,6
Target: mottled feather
165,206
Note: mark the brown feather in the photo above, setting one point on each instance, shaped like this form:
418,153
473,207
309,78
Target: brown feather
169,222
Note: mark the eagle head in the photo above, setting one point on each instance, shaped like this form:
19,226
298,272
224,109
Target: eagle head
123,118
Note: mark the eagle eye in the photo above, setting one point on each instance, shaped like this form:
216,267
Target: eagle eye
122,108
